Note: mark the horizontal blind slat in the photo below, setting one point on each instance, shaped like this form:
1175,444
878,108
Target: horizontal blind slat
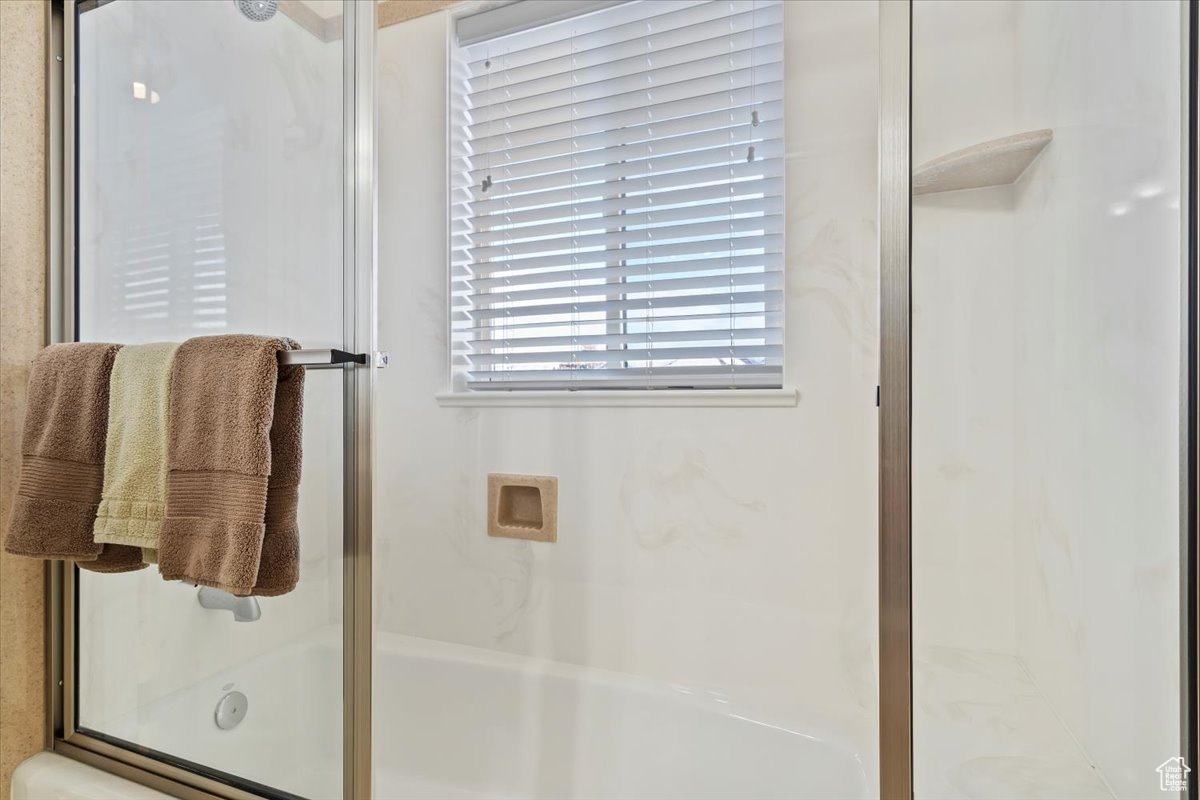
673,47
463,282
634,203
739,206
570,89
732,298
731,100
597,32
730,153
465,336
614,258
732,351
639,99
583,144
688,376
638,238
745,132
740,171
585,340
769,280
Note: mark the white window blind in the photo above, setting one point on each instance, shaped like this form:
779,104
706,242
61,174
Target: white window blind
617,199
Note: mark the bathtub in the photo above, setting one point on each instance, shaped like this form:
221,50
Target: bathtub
461,722
452,721
49,776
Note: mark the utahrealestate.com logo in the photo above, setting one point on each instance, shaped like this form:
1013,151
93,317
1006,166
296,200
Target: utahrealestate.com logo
1172,775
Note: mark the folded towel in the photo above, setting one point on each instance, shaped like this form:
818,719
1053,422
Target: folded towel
62,450
233,460
279,567
115,558
133,501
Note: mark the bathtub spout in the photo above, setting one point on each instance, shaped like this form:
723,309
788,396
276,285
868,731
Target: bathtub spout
245,609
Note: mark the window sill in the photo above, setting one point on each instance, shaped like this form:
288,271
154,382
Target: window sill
625,398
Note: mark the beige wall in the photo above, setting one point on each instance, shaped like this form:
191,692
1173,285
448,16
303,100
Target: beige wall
392,11
22,293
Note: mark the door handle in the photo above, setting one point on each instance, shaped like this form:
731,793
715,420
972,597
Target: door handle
327,359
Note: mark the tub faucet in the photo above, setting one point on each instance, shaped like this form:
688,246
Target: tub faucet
245,609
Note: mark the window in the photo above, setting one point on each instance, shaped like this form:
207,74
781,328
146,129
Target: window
617,197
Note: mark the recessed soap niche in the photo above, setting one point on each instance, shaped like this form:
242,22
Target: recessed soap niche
523,507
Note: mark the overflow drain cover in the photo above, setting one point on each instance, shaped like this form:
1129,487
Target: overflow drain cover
231,710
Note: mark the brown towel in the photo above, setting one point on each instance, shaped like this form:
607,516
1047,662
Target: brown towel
279,568
233,460
62,465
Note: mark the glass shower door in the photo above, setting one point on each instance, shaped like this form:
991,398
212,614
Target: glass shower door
1048,294
210,184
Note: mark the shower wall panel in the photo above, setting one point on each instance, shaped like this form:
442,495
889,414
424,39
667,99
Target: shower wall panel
1098,273
1046,402
721,547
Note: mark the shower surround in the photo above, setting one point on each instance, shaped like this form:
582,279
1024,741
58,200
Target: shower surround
694,543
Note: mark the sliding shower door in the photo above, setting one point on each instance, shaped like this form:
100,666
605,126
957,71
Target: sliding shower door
1048,352
211,198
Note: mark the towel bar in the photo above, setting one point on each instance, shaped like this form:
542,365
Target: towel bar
320,359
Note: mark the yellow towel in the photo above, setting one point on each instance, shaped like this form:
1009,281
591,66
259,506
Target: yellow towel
133,501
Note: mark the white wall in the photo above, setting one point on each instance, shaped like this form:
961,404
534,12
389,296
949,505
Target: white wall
1046,365
963,341
731,549
1098,277
224,196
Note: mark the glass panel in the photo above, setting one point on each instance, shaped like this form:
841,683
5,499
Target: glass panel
703,626
210,201
1046,398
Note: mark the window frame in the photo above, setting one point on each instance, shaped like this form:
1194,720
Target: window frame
593,393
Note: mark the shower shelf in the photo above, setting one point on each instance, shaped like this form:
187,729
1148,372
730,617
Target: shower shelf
995,163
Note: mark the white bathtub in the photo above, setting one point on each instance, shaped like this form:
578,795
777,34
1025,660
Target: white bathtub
49,776
290,738
460,722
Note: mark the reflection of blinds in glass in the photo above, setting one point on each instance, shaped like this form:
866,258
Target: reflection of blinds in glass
617,200
168,269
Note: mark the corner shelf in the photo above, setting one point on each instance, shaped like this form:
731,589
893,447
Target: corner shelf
995,163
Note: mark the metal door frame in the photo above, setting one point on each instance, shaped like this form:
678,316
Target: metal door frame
895,401
160,771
